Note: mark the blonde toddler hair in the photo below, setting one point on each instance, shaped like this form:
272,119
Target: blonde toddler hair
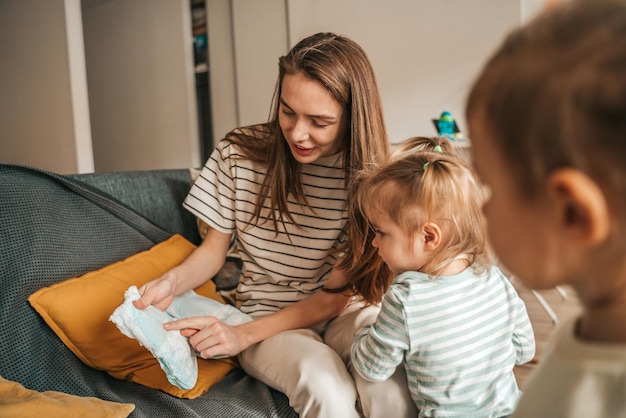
424,174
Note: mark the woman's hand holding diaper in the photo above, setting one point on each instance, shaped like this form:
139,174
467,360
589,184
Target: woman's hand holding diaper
158,293
199,267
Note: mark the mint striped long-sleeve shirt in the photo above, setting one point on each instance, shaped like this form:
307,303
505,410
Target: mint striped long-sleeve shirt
459,337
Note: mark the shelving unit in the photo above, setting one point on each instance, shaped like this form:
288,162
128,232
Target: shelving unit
203,86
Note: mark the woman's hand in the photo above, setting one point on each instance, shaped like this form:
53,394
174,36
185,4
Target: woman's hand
202,264
209,336
159,292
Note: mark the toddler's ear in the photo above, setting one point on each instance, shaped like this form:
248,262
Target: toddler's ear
581,206
432,236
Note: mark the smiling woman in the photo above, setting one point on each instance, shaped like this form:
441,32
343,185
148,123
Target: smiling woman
281,190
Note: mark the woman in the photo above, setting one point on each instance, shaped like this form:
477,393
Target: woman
281,189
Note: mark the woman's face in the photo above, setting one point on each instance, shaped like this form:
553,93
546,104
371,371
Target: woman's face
313,122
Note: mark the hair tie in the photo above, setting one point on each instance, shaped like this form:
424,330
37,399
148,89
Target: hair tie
438,149
425,165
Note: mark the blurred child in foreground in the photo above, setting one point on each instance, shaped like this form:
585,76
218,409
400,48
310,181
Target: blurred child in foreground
547,121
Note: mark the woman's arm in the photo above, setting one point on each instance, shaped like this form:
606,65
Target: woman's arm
211,337
201,265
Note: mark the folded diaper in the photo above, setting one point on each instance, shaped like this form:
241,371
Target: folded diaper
174,353
192,304
170,348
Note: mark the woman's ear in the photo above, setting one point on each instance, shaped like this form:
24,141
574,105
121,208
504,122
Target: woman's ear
432,236
581,207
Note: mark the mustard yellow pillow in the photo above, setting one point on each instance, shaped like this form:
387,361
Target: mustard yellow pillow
78,311
17,401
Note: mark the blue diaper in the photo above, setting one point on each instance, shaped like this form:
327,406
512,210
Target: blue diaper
173,351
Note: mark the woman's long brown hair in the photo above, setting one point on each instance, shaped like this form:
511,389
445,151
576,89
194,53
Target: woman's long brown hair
344,69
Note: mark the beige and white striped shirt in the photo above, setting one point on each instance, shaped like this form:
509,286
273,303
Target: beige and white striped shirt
279,267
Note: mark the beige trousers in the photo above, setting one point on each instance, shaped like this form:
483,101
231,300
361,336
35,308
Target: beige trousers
314,371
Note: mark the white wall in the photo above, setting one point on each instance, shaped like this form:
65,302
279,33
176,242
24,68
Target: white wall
225,115
246,37
141,84
425,52
260,35
121,98
530,8
44,121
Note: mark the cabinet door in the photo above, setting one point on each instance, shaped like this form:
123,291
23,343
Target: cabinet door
141,82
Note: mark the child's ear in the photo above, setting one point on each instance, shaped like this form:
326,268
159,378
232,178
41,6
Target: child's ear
432,236
581,206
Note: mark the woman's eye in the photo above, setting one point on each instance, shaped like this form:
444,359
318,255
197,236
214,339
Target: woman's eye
319,124
286,110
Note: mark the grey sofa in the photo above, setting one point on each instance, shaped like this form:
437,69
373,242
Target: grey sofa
54,227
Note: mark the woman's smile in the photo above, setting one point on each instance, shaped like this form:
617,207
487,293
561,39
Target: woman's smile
299,149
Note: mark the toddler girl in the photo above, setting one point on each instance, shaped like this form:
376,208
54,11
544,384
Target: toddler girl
455,322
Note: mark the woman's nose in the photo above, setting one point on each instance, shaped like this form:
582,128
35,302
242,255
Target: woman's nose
300,130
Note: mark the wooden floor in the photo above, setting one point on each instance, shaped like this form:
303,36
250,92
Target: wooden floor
543,325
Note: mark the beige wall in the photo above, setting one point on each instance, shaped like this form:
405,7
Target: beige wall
141,84
224,101
425,54
136,63
246,37
43,114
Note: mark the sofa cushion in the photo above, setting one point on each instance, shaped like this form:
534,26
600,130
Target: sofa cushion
17,401
157,194
78,311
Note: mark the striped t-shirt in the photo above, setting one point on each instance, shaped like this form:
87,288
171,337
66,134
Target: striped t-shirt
459,337
279,267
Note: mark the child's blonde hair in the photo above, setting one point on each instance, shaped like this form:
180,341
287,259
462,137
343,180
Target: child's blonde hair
442,187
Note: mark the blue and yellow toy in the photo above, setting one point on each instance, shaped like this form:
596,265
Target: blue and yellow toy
447,127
